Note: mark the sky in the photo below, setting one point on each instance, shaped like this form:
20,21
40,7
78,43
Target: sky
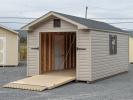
96,9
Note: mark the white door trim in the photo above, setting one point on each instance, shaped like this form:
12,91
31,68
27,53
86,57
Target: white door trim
3,51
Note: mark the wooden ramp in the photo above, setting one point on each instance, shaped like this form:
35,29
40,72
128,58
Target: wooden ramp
45,81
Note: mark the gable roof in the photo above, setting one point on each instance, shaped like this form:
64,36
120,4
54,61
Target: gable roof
82,23
8,29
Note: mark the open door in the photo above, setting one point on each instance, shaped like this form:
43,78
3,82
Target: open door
58,51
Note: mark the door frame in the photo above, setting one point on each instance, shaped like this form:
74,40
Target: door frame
40,47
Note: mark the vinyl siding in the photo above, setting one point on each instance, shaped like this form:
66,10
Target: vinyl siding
33,41
11,47
131,49
84,56
104,64
32,55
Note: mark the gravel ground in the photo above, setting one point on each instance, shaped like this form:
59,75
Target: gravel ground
116,88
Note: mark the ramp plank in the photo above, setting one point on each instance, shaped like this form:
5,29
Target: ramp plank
45,81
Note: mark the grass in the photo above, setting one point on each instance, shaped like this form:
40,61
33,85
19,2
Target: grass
23,51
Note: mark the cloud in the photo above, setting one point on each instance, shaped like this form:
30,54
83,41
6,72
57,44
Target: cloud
37,8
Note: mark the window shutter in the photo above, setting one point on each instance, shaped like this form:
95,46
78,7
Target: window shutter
110,44
115,44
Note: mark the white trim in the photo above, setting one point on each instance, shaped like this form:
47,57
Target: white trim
80,26
27,27
11,30
18,54
126,33
3,51
27,63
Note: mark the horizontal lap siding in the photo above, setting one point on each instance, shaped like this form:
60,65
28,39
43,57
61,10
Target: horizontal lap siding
11,47
33,42
84,56
131,49
48,27
32,64
104,64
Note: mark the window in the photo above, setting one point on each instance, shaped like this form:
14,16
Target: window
57,23
113,44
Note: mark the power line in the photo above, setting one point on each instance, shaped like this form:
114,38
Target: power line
17,18
107,9
127,29
15,22
107,22
114,18
122,23
118,18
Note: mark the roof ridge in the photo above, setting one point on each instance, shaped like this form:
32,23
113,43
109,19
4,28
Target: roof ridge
88,23
89,20
78,17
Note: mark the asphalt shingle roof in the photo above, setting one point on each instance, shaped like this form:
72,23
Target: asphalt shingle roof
92,24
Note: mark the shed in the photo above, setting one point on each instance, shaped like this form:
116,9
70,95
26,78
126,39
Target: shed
93,49
131,47
8,47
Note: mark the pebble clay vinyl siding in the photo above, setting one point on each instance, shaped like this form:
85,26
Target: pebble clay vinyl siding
33,42
93,59
84,56
104,64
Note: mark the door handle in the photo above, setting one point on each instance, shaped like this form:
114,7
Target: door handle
35,48
81,48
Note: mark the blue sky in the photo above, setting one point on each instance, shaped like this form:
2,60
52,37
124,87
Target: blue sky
96,9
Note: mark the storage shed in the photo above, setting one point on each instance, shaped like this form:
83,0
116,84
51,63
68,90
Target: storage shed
131,47
93,49
8,47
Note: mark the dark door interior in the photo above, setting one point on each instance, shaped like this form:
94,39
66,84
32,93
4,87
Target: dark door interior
58,51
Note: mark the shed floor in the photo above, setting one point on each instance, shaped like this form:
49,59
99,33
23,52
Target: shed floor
46,81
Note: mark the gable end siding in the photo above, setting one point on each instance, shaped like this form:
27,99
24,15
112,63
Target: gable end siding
33,42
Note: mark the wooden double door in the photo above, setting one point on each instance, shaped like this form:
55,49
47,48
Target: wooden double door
57,49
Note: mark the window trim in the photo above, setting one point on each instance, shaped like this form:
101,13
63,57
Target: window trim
113,48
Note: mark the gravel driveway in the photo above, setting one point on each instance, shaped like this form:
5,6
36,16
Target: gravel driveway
116,88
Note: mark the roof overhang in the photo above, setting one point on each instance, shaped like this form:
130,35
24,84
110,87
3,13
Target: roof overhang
109,31
33,24
9,29
41,19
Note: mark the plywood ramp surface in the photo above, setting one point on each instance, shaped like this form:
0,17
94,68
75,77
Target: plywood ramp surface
45,81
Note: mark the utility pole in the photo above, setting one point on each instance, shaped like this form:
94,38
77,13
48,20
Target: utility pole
86,10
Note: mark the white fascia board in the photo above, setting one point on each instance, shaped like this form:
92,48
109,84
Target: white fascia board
27,27
11,30
80,26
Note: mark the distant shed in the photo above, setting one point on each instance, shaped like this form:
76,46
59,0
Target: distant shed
131,47
8,47
93,49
